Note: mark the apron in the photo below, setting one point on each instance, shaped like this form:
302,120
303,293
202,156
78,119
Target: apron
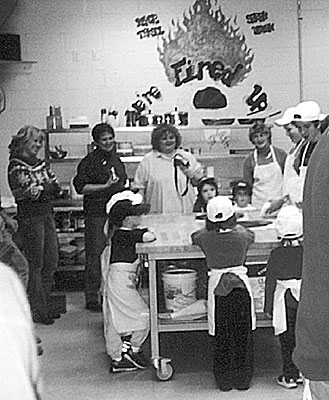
289,170
279,305
268,181
214,278
295,186
128,310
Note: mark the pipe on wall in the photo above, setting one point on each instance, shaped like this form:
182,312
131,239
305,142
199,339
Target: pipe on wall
300,49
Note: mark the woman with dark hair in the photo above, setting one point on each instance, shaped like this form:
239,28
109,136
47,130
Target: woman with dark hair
34,186
167,175
99,175
263,168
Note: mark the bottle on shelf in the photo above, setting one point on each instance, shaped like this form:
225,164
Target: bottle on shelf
54,119
149,117
176,119
103,116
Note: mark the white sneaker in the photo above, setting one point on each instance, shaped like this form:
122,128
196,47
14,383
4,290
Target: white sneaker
288,383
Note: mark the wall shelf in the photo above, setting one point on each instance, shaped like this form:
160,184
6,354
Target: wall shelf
16,67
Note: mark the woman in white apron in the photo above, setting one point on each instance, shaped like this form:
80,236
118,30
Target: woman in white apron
263,168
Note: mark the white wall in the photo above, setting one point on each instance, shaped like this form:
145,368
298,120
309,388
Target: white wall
89,56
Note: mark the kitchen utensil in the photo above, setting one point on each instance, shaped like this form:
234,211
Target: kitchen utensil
219,121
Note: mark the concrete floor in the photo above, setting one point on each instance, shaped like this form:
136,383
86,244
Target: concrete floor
75,366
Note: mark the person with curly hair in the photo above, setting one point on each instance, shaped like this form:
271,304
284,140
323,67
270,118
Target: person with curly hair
168,174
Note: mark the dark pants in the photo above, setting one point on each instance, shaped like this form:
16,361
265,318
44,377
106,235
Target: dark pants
11,255
233,352
94,243
288,343
40,243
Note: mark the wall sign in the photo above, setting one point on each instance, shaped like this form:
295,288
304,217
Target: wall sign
149,30
260,17
205,42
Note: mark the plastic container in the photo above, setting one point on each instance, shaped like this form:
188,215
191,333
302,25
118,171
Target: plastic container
180,287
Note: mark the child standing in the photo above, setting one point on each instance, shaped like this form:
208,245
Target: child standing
231,316
207,189
126,315
282,288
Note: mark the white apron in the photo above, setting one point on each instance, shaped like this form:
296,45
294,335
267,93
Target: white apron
295,186
279,305
268,180
128,310
214,278
289,170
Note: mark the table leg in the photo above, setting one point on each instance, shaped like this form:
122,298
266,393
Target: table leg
153,310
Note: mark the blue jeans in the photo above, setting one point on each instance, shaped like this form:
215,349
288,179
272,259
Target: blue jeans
94,244
39,238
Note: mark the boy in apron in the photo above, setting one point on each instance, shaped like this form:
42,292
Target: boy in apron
263,168
282,288
126,315
231,315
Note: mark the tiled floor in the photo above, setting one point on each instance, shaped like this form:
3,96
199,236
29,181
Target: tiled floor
75,365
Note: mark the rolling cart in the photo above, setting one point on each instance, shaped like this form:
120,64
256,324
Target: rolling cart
174,243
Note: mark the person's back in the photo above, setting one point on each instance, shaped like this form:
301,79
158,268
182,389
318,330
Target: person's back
19,369
282,288
231,317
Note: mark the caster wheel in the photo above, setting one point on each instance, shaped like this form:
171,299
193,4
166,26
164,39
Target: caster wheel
165,373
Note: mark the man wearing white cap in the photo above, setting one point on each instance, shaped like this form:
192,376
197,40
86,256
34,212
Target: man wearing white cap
307,118
312,330
295,136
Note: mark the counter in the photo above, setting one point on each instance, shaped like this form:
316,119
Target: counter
174,243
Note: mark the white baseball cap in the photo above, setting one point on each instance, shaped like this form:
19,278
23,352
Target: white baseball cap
289,222
308,111
287,117
219,209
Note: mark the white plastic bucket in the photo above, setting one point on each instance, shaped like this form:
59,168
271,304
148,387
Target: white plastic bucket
179,288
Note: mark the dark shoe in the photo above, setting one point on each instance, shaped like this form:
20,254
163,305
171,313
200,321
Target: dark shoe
94,307
242,386
225,386
123,365
136,359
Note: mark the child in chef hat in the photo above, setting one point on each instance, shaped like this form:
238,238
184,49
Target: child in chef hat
126,315
231,315
282,288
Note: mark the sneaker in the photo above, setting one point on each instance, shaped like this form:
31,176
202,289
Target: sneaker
136,359
123,365
300,379
288,383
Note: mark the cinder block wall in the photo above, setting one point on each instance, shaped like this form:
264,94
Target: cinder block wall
89,56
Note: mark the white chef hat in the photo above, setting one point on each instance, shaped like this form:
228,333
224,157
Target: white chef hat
289,222
219,209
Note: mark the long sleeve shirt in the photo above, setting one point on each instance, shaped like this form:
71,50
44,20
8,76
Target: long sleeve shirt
33,185
95,168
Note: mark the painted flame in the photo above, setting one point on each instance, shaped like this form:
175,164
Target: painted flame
205,35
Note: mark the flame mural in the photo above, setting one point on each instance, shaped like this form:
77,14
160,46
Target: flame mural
205,40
